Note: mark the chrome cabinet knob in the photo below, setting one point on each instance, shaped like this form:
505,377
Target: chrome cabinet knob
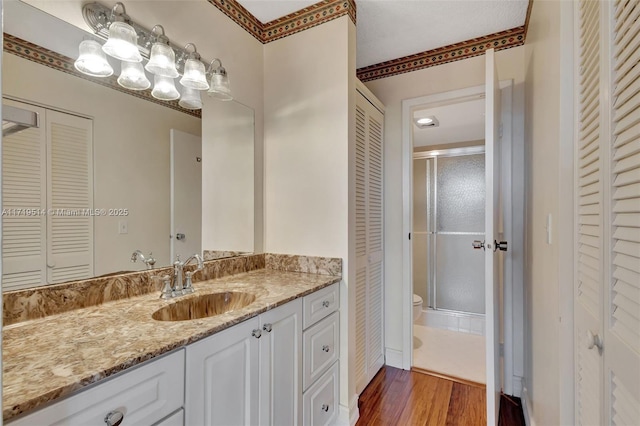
267,328
500,245
325,348
114,418
257,333
325,408
594,340
326,303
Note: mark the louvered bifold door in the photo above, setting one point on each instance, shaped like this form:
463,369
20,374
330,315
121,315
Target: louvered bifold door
374,245
70,197
369,354
23,204
361,249
622,310
588,291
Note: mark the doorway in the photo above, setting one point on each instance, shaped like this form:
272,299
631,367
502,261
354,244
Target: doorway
448,216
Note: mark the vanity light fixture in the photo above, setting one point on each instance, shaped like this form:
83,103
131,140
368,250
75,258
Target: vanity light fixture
132,43
190,98
220,88
424,122
133,77
92,60
164,88
163,59
194,76
123,40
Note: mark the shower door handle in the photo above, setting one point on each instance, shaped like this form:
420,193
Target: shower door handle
477,244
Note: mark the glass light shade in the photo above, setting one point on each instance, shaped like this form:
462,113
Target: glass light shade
190,99
122,43
132,76
164,88
162,61
194,75
92,60
220,88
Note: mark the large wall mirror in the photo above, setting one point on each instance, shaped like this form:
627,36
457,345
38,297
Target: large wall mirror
138,175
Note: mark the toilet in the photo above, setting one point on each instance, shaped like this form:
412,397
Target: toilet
417,307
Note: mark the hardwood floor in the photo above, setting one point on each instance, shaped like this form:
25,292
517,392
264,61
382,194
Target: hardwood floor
400,397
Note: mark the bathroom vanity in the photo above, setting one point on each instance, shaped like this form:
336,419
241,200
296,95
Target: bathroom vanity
273,361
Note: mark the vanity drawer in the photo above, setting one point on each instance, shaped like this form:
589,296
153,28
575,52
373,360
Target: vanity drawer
321,347
144,395
320,304
320,401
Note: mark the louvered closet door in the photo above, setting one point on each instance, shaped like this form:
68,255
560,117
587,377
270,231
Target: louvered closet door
622,311
588,292
369,220
23,187
70,190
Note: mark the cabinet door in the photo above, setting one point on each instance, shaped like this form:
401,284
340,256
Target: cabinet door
222,378
280,374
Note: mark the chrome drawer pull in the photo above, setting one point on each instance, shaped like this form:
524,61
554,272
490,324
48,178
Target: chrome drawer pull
267,328
256,333
325,348
326,303
325,408
114,418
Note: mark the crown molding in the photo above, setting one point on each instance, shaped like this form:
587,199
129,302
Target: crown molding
32,52
303,19
443,55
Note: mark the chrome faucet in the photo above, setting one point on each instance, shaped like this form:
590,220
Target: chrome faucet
150,261
182,283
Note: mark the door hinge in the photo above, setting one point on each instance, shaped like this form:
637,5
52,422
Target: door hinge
500,129
501,349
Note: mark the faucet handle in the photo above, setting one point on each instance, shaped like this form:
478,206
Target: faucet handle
167,292
188,284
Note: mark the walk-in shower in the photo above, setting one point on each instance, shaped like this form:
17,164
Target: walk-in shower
448,215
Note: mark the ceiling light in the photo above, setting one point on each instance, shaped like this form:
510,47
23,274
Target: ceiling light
220,88
164,88
194,73
133,77
424,122
92,60
123,40
163,59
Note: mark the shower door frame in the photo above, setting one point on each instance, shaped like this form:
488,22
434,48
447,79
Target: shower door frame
432,224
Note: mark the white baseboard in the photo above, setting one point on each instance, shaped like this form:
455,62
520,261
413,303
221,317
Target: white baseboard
527,406
348,416
517,386
393,358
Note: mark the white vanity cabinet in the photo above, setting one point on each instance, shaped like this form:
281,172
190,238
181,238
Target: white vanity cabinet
248,374
321,339
144,395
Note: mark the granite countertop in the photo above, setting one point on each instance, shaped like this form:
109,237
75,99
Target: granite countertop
48,358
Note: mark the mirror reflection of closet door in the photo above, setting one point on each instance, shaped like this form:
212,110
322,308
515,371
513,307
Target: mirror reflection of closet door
186,194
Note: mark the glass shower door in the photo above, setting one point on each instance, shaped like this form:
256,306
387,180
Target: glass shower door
458,213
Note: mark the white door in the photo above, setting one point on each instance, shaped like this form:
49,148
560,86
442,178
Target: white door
492,221
186,194
222,377
280,367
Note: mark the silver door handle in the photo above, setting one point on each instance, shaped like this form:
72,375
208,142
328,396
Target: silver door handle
477,244
180,237
500,245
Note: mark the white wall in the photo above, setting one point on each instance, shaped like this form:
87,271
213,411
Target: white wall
391,91
308,80
547,175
